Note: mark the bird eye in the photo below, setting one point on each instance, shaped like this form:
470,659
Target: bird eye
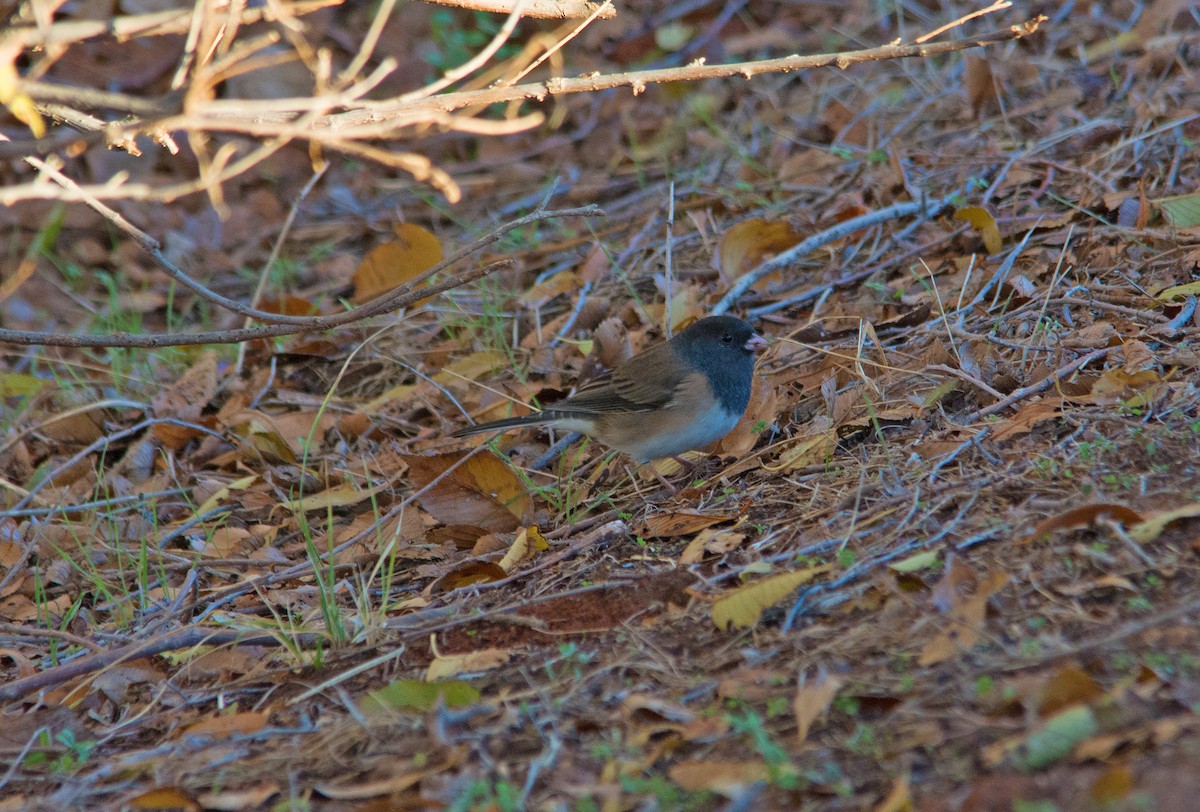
727,338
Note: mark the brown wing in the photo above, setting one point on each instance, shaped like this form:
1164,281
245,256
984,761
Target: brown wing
647,381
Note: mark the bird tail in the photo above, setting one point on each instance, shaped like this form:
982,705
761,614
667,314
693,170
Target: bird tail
501,425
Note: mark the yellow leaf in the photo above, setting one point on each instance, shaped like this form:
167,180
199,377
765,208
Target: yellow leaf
472,366
1155,524
1179,292
984,223
221,495
742,608
392,264
339,496
528,543
18,103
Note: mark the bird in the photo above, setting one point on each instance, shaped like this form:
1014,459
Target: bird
676,396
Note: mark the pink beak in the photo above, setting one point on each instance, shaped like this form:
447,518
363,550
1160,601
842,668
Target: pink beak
756,344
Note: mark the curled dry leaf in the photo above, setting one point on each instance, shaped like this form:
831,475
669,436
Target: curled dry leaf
468,573
1154,524
983,222
724,777
528,543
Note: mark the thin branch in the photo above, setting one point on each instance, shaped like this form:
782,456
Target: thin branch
924,208
544,9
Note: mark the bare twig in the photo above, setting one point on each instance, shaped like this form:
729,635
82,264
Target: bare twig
925,208
545,9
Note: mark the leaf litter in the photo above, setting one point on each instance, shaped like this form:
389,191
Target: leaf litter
935,562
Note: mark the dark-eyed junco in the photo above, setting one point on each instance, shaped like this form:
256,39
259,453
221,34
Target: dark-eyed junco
674,397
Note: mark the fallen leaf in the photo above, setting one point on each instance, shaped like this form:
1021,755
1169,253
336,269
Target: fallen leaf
965,609
418,695
481,490
444,666
392,264
528,543
1152,526
742,608
983,222
226,725
724,777
1084,516
812,700
745,245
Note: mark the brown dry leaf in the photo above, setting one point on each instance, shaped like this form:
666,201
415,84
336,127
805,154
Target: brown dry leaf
965,609
472,367
482,491
446,666
80,427
760,414
289,305
225,542
162,798
710,540
742,608
19,103
1112,787
25,666
185,400
1084,516
682,523
812,700
229,724
223,492
466,574
260,440
847,126
747,244
1132,391
980,85
392,264
1028,416
1067,686
723,777
1110,581
983,222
